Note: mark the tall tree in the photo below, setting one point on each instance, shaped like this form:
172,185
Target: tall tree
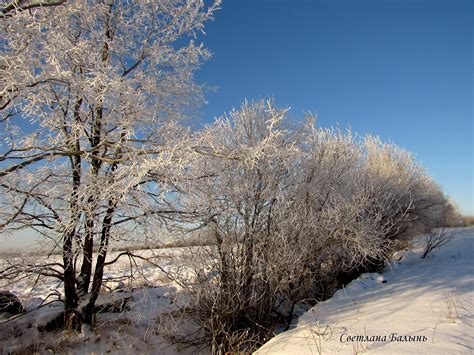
90,93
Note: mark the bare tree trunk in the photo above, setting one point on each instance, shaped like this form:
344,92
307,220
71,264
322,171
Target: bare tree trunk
99,268
72,318
87,250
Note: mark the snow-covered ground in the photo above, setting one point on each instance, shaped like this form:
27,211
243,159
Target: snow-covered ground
145,327
417,306
120,274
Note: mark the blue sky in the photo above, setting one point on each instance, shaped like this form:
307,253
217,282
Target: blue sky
399,69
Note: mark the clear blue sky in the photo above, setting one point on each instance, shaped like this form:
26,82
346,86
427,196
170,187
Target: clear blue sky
399,69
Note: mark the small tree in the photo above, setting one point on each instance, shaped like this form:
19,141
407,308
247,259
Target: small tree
89,93
436,239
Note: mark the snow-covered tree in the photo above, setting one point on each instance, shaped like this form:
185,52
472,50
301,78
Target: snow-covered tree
291,212
90,93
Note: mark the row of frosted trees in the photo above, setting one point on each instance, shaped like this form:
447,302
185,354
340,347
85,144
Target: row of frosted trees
293,212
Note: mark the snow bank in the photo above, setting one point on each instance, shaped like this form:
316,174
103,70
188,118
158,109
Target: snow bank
417,306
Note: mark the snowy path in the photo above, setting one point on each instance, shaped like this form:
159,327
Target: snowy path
424,307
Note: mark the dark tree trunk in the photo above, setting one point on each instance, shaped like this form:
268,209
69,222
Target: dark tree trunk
89,309
72,318
87,249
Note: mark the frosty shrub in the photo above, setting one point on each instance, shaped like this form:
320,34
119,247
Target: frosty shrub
239,193
396,175
361,198
294,212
